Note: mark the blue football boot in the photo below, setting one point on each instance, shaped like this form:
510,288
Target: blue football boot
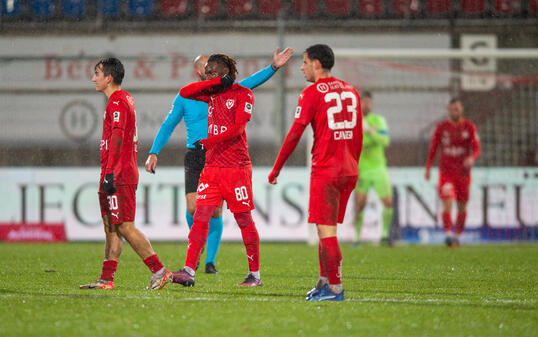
316,291
326,295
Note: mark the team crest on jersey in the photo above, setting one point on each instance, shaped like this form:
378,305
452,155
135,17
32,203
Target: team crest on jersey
230,103
322,87
116,116
298,112
248,108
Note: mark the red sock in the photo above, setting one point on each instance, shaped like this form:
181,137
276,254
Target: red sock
321,255
251,239
108,270
153,263
197,239
460,222
447,222
333,259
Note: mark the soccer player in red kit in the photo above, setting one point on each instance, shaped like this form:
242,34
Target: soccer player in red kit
119,179
227,174
333,109
460,147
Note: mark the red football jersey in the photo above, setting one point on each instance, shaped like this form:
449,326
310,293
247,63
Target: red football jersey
228,108
120,114
333,107
457,141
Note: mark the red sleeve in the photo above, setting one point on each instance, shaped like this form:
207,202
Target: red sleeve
199,91
118,122
304,112
243,112
290,142
433,146
475,142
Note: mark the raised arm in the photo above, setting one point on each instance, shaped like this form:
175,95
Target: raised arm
200,91
260,77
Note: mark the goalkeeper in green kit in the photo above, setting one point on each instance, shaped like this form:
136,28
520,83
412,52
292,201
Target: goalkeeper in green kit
373,168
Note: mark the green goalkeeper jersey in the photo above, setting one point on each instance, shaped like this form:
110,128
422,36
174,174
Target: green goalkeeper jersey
373,148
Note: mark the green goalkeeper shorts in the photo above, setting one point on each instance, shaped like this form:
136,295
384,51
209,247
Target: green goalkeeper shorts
378,179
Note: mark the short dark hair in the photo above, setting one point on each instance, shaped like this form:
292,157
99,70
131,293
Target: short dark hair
226,61
112,66
323,53
367,94
454,100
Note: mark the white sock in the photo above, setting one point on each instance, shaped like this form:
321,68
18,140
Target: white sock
160,271
256,274
189,270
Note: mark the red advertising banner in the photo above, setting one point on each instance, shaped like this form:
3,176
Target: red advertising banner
38,232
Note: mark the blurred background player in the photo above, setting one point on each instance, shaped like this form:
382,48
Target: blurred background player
460,147
195,115
333,108
373,168
227,174
119,179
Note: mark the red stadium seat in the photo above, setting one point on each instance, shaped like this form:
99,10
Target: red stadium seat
438,7
240,7
174,7
269,8
304,7
338,7
405,7
207,8
507,7
533,7
473,7
371,7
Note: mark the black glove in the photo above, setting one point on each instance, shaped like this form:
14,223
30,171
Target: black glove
226,80
108,184
198,145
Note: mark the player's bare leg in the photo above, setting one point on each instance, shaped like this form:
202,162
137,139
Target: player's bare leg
142,247
251,240
447,220
113,248
460,221
386,216
197,239
360,204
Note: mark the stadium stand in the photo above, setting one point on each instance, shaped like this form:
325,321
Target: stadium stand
304,7
140,8
240,8
339,8
174,7
473,7
371,8
74,8
42,8
109,8
269,8
11,8
207,8
439,7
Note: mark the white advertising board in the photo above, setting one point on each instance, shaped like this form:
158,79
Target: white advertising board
500,198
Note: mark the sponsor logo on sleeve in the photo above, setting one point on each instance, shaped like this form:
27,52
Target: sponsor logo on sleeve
298,112
248,108
116,116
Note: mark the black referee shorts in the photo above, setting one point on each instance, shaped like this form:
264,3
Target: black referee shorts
194,164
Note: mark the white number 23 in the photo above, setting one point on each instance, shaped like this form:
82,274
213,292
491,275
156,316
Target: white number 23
352,108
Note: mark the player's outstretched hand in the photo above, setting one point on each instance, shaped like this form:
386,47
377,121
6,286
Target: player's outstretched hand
151,163
199,145
281,58
108,184
272,177
226,80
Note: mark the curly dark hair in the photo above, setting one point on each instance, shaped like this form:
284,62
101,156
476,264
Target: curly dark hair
226,61
323,53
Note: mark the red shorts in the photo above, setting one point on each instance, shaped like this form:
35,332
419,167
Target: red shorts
120,206
452,186
231,184
328,199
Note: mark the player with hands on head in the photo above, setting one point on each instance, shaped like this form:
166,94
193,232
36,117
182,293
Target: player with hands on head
332,107
227,174
119,179
194,114
460,147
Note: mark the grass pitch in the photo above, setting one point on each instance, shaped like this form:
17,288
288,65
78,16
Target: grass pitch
486,290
